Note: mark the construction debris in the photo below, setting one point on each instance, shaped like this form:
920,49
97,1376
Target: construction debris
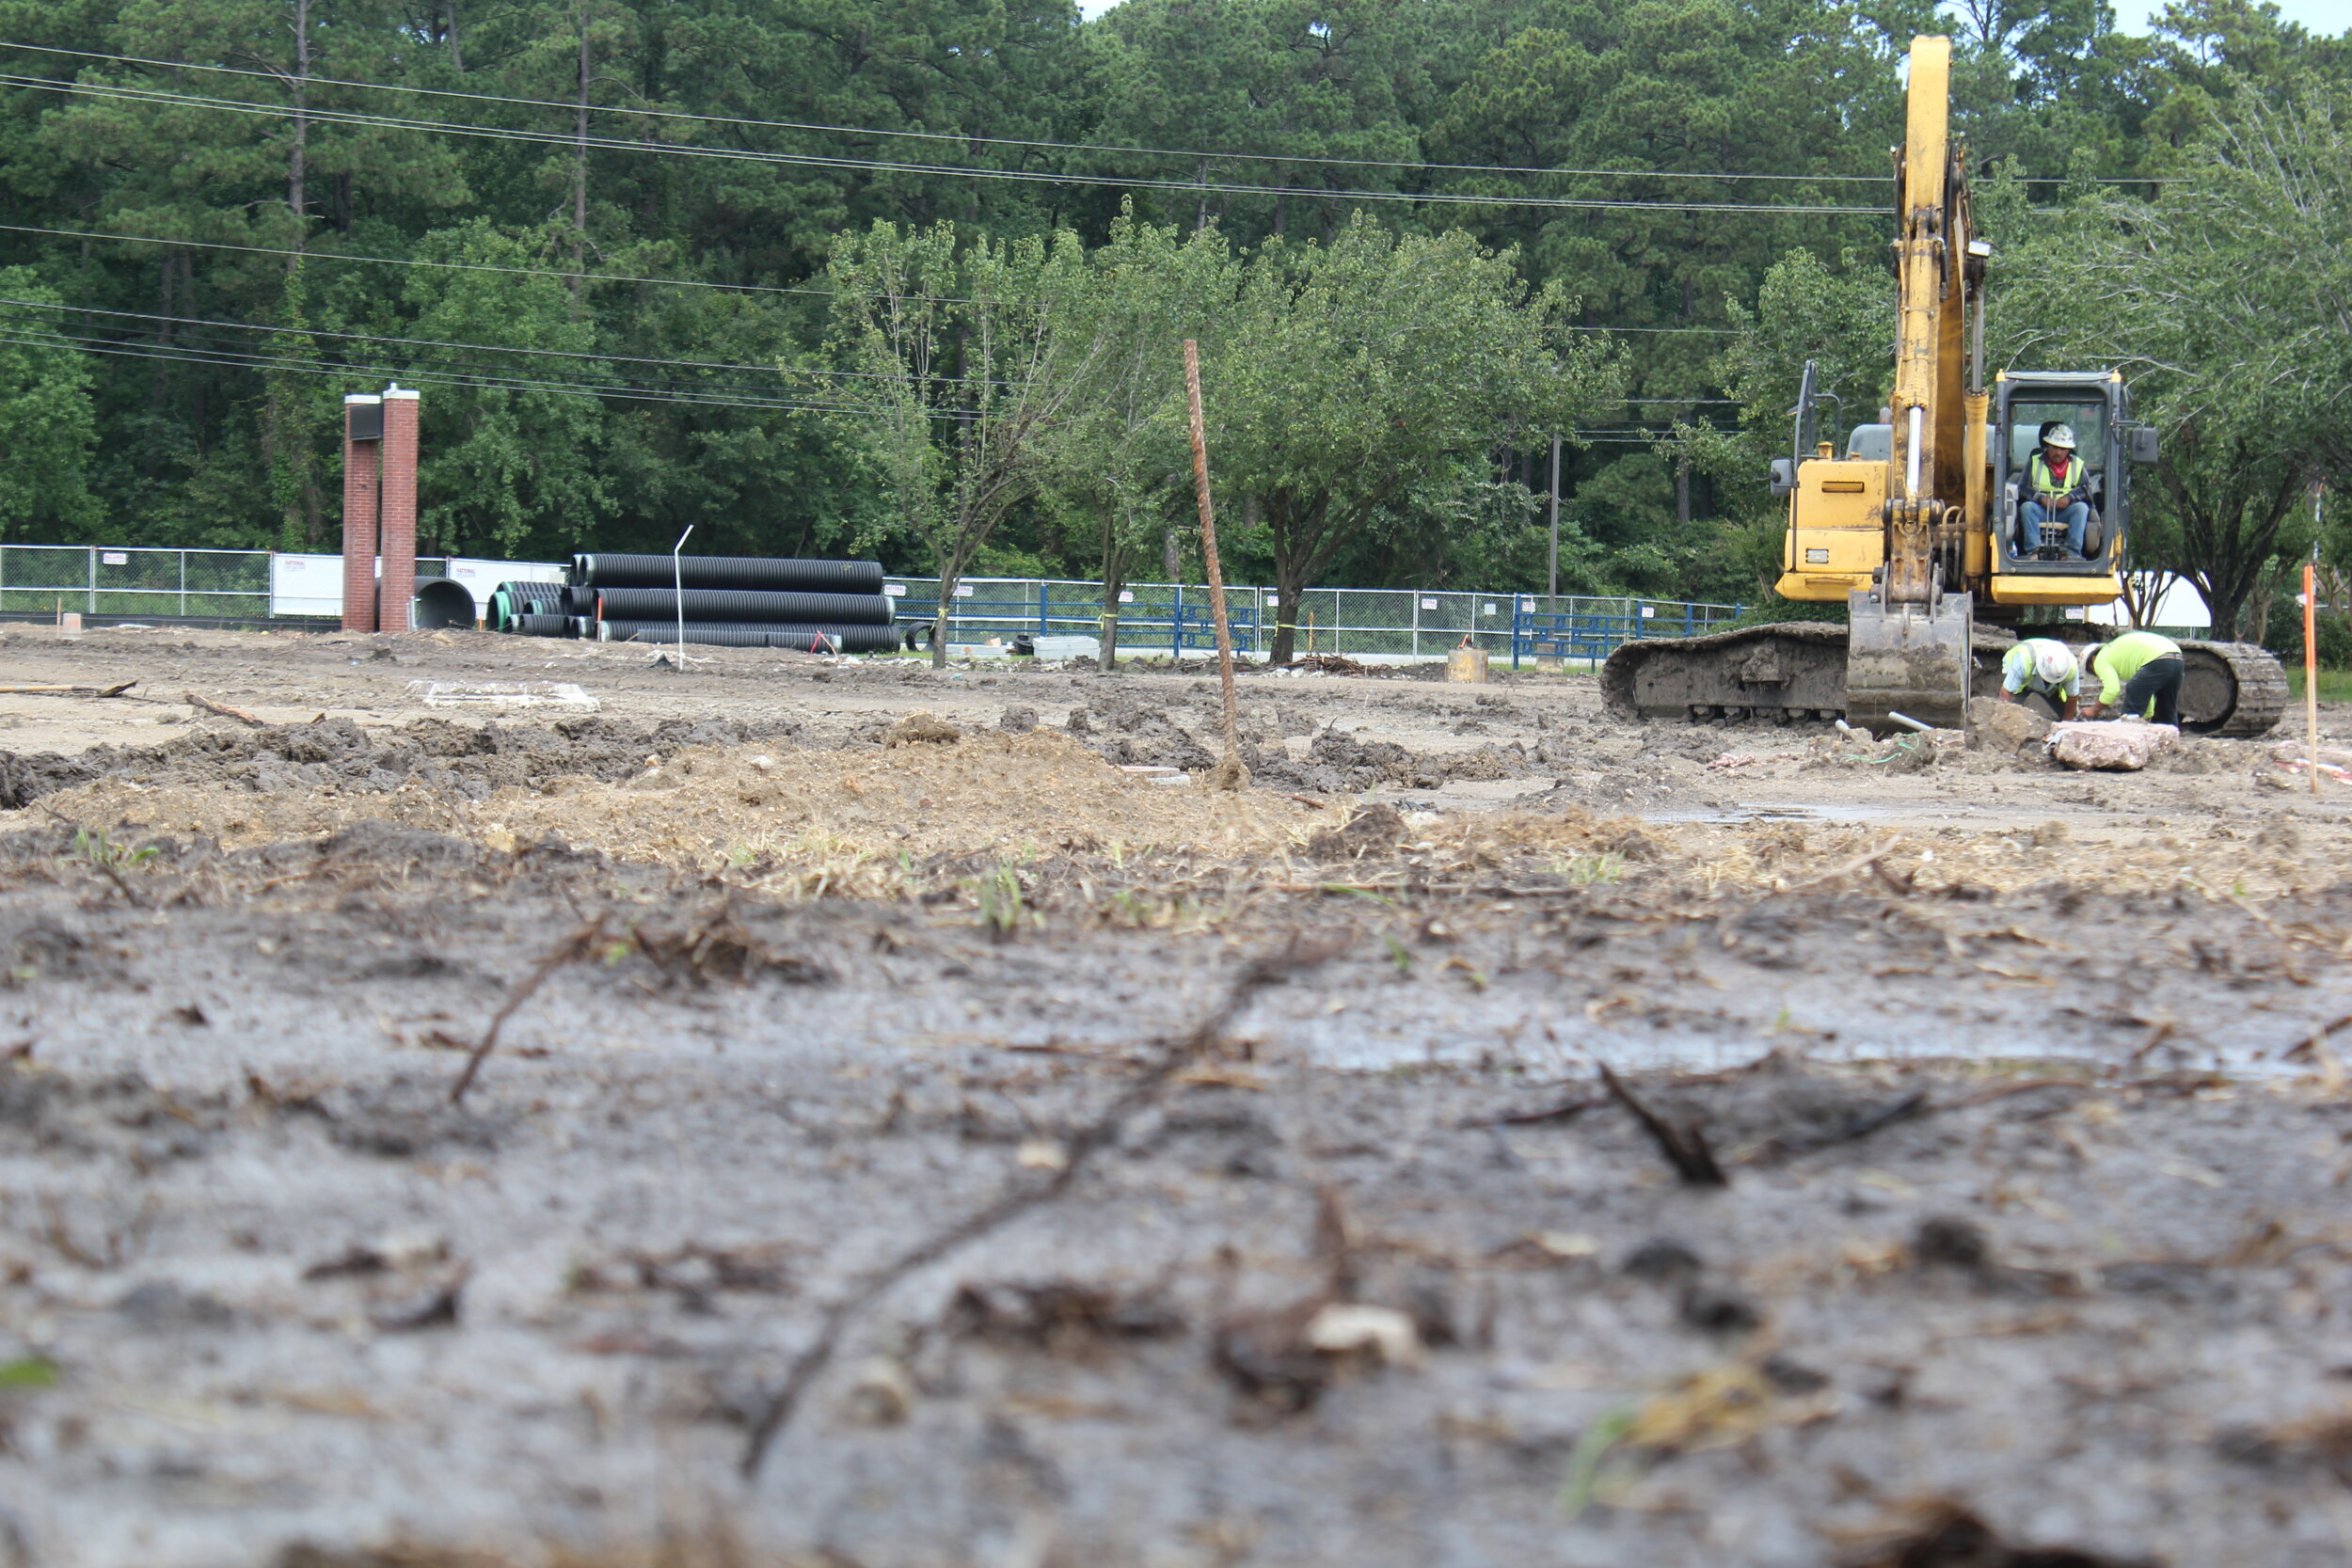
2110,745
502,696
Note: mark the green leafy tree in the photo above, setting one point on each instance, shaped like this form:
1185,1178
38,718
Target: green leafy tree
48,424
1122,452
506,457
960,355
1273,93
1350,378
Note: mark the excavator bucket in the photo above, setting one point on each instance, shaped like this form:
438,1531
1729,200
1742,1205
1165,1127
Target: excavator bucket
1911,659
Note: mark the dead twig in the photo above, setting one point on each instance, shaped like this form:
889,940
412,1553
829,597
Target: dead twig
575,947
1910,1106
2314,1041
1684,1146
1566,1110
66,691
226,711
2002,1091
2158,1034
1867,861
1081,1147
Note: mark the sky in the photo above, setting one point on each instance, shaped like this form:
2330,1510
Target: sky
2329,17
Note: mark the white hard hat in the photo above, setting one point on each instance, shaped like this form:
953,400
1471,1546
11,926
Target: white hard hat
2061,436
2054,661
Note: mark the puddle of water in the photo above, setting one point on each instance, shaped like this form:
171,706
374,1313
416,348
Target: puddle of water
1768,812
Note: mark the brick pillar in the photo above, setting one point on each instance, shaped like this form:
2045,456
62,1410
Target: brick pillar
398,591
363,427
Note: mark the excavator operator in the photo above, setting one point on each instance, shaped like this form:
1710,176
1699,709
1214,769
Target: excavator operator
2058,486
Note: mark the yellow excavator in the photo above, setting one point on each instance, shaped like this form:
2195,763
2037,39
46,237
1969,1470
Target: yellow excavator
1919,529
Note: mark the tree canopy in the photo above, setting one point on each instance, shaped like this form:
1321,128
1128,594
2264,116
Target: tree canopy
637,252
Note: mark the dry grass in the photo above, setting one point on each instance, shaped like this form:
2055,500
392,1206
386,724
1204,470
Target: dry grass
806,824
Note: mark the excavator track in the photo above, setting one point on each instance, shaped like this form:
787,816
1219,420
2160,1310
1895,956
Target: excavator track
1788,672
1795,671
2231,688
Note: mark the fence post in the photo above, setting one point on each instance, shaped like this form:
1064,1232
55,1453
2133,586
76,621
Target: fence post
1416,623
1040,608
1176,631
184,584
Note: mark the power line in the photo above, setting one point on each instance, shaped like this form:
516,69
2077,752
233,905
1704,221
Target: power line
538,139
377,338
198,350
482,348
557,273
199,353
956,137
226,360
605,277
412,261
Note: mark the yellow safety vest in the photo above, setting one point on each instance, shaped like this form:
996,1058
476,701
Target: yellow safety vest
2042,483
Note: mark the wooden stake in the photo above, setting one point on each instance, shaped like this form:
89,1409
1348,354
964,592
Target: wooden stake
1230,774
2310,669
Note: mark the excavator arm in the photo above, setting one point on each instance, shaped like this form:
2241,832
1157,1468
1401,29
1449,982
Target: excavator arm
1909,647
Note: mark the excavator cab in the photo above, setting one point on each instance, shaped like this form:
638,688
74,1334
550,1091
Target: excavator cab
2032,566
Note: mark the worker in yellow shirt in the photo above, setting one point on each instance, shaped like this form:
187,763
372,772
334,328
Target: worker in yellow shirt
2139,673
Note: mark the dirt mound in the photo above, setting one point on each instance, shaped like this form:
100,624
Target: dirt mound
373,842
335,753
1129,730
746,805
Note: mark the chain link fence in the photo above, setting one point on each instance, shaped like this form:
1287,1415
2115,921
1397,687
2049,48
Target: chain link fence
44,579
1381,624
1362,622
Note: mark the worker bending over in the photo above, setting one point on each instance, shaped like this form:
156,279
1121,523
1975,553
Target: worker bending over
2139,675
2058,485
2046,667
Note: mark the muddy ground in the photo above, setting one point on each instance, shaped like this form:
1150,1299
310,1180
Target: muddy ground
1016,1161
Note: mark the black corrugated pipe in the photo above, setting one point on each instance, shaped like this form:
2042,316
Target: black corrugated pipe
579,601
582,627
728,571
800,638
442,603
540,625
510,599
719,604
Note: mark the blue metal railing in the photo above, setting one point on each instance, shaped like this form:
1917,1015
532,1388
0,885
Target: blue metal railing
1378,622
1595,633
1177,626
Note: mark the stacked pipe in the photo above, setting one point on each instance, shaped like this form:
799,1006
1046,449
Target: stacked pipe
513,604
723,601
